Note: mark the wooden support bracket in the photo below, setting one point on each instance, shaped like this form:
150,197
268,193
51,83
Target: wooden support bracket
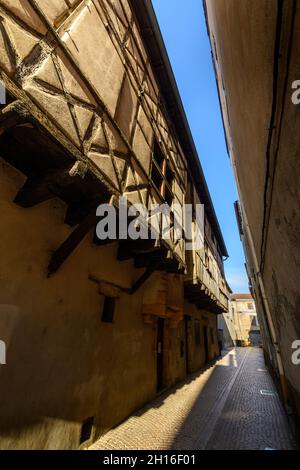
42,188
13,115
71,243
141,280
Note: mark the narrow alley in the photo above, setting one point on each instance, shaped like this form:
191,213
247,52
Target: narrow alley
150,229
231,404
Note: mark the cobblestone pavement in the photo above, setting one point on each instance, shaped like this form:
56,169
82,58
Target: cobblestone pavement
231,404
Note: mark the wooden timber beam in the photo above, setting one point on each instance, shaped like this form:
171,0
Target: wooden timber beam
173,266
42,188
142,260
203,299
12,115
34,191
141,280
8,122
77,211
130,248
71,243
56,183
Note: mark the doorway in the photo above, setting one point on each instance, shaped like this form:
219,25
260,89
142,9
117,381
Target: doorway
205,338
159,353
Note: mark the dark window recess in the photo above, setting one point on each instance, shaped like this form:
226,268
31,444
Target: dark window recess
86,429
162,175
156,176
158,155
169,175
197,332
108,309
168,196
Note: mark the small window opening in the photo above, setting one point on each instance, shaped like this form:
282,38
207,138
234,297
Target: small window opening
169,176
86,429
168,196
158,155
108,309
156,177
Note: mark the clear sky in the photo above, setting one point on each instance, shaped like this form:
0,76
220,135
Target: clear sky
184,30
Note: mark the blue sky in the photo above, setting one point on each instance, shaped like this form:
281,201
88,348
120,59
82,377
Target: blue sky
183,27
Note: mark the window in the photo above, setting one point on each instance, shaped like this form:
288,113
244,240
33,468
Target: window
158,156
168,196
250,306
108,309
156,177
162,175
169,175
197,332
86,429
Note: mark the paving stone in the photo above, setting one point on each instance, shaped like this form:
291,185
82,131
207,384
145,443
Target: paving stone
220,407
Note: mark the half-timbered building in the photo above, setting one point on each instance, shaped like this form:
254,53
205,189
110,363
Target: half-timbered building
94,328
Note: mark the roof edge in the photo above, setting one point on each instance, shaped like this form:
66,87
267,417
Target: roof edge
154,43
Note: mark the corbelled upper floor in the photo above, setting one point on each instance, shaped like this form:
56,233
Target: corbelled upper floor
93,113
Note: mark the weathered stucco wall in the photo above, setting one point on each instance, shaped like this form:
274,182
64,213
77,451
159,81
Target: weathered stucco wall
245,319
244,74
196,352
63,364
256,54
80,88
177,354
226,328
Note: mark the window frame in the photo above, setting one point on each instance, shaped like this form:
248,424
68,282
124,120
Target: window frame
163,170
